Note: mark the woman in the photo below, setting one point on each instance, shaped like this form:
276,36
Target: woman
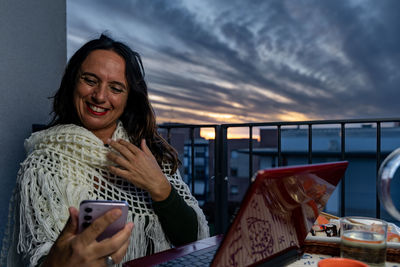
101,144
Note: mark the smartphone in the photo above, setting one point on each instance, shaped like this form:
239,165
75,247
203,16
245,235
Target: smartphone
90,210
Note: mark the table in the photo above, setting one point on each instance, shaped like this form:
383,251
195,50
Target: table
312,260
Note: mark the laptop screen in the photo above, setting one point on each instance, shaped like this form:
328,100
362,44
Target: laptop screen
277,212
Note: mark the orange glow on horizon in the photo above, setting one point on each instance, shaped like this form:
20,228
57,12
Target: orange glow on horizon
207,133
293,116
222,118
234,133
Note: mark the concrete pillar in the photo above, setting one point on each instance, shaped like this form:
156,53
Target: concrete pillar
32,59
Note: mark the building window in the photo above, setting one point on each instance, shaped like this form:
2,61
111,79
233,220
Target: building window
234,155
234,190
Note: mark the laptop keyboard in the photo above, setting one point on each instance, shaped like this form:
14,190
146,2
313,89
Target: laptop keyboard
201,257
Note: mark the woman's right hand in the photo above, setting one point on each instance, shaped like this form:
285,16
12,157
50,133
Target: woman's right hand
72,249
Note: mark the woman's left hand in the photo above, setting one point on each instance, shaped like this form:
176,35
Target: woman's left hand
139,166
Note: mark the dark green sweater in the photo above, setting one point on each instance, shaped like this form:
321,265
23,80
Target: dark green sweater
177,218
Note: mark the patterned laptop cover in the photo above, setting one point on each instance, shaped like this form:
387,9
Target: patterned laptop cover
277,213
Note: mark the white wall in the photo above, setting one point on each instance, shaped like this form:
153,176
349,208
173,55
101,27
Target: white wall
32,58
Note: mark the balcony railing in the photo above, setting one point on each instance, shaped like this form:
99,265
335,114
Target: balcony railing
221,154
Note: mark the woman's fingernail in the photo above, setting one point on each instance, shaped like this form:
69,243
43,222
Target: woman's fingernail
116,213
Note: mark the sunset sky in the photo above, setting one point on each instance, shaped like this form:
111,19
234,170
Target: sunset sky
224,61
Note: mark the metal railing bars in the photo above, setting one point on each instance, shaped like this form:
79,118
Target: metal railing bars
279,145
250,153
378,163
192,158
343,181
221,157
312,122
309,143
221,180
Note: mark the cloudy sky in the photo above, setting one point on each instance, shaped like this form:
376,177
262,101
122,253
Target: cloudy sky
233,61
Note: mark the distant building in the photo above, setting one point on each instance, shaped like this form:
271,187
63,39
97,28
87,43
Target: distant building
177,138
197,175
238,168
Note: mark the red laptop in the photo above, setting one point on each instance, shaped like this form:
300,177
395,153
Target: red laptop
275,216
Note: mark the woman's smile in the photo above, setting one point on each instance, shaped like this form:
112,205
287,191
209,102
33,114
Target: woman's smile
96,110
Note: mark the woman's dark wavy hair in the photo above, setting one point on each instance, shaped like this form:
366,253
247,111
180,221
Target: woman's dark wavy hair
138,117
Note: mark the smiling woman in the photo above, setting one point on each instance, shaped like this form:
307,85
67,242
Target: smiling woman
101,144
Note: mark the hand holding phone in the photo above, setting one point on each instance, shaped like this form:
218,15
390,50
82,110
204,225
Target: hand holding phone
90,210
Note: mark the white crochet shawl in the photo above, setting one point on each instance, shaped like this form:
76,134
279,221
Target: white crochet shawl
65,165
